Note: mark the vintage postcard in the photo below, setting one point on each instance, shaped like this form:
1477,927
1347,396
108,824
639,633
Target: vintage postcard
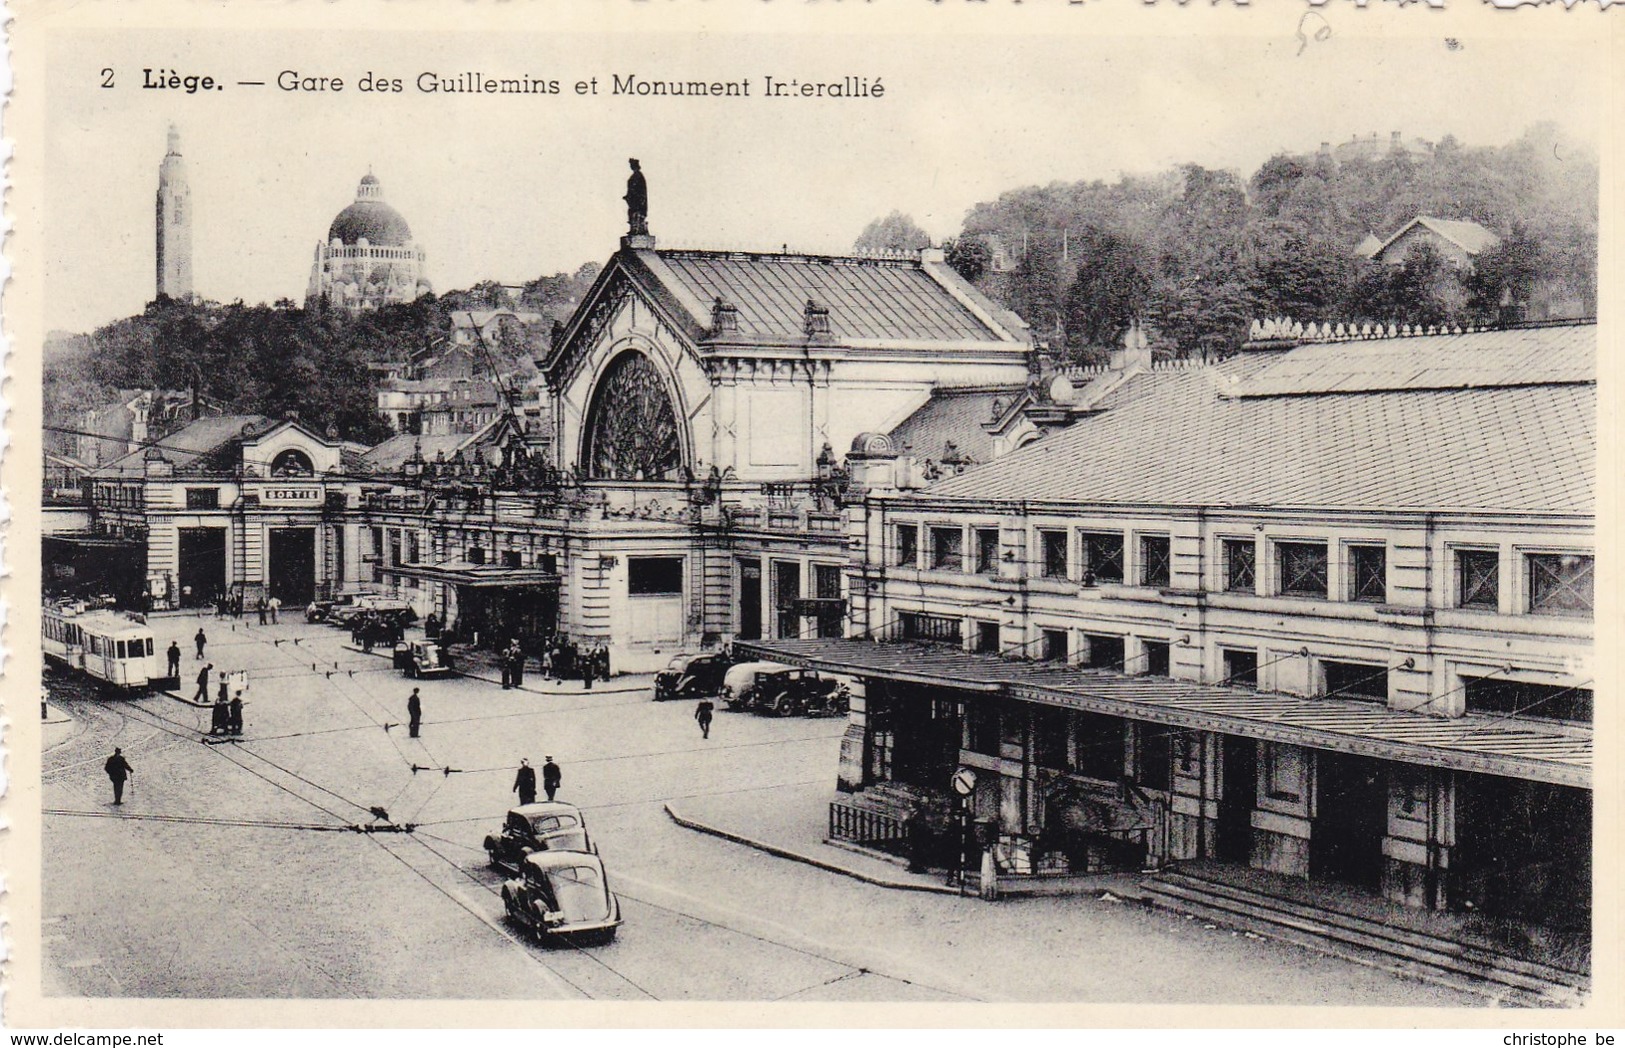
702,514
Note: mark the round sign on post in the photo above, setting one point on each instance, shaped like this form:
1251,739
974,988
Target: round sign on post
964,782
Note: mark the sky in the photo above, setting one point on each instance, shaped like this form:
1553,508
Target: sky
514,187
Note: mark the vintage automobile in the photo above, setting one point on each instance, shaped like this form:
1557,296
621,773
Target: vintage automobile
324,610
691,676
799,693
388,609
563,895
543,826
739,683
423,658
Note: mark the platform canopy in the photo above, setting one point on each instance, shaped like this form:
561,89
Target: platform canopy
1519,748
484,576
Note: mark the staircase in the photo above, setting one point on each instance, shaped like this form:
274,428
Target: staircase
1442,960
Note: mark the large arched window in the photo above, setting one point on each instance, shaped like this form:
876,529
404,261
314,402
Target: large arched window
632,426
292,463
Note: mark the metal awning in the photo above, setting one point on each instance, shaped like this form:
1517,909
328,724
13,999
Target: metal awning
93,540
486,576
1517,748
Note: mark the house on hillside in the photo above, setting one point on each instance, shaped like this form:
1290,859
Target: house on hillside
1458,241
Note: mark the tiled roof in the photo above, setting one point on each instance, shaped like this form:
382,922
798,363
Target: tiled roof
894,299
1176,438
1469,236
1522,356
186,446
389,456
956,415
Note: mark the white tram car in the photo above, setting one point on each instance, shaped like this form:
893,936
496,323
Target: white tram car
114,649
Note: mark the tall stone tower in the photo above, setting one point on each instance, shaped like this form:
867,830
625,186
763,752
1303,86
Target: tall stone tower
174,223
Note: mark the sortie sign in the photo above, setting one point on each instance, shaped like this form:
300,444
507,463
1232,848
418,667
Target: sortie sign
300,496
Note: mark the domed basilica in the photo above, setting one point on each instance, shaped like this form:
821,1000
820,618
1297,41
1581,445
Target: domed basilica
369,258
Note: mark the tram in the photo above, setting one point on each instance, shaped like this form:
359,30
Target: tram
115,650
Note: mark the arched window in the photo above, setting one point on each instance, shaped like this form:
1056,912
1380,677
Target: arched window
632,427
292,463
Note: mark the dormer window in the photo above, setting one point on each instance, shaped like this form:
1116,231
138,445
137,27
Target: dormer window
292,463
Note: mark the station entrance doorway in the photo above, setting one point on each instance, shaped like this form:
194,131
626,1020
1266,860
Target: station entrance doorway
201,573
292,572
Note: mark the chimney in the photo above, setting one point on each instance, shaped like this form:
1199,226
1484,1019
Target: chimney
724,317
1393,141
815,320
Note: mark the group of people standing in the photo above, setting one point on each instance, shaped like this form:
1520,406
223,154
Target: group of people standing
512,660
226,717
230,605
566,660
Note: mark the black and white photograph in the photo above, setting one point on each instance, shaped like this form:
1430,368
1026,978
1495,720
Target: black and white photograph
1085,509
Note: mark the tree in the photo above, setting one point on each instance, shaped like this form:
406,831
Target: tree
1035,292
1197,318
1503,278
1294,273
895,232
969,256
1424,289
1111,289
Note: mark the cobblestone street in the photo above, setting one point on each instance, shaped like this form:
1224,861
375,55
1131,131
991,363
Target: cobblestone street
230,871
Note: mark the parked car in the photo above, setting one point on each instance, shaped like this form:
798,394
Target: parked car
799,693
563,895
425,658
739,683
691,676
323,610
543,826
388,609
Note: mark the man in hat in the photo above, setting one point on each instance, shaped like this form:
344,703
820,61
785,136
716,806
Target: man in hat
517,656
225,687
525,782
702,714
414,713
200,639
551,778
202,695
220,718
234,716
118,769
175,661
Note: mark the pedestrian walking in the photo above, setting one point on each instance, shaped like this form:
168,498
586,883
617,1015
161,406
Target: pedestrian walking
262,608
702,714
414,714
524,783
200,639
587,668
118,769
551,777
546,660
203,684
174,661
276,607
234,722
224,689
220,718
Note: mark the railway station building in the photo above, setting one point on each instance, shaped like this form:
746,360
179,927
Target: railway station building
1323,609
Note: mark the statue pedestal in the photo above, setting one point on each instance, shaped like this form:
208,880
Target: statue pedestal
638,242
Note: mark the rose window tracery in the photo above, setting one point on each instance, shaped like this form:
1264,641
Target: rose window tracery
632,427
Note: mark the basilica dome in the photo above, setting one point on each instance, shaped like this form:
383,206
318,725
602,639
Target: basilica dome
370,219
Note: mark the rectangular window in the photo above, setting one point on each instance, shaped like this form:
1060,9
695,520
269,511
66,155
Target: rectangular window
1105,653
120,652
1368,574
1560,584
476,555
202,498
1479,572
987,638
1050,728
1102,557
411,547
1055,646
550,563
654,576
908,546
987,551
787,595
1241,565
1054,553
1303,568
982,728
1156,658
1240,668
1099,739
1355,680
1154,762
1520,699
510,558
1154,560
918,626
827,587
948,549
